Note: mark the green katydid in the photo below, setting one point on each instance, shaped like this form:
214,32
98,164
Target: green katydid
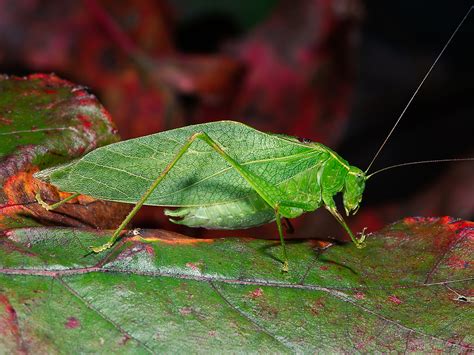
221,175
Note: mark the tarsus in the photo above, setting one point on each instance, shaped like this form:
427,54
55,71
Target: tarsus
419,87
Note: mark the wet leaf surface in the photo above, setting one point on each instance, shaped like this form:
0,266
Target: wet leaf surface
408,290
45,120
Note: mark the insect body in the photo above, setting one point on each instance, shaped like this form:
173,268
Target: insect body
218,175
222,175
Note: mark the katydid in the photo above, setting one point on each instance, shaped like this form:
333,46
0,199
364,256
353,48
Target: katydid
221,175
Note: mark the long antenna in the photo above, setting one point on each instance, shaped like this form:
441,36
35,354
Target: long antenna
419,87
419,162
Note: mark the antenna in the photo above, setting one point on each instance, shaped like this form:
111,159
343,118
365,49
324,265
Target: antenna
419,87
419,162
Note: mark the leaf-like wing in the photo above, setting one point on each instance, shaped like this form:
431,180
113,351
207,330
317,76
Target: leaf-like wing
124,170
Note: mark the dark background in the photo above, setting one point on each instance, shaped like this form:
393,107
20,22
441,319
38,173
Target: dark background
400,41
339,72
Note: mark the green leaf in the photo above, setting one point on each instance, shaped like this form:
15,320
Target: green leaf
408,290
44,121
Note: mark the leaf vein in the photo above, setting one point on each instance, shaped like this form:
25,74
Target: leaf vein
102,315
251,319
117,169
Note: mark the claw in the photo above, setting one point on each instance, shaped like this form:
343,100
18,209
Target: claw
42,203
361,241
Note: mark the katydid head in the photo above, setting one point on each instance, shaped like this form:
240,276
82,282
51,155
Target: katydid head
354,186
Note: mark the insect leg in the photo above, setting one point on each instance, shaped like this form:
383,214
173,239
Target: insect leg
358,242
53,206
269,193
145,196
282,240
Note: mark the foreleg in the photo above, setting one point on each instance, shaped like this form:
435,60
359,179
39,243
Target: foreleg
359,242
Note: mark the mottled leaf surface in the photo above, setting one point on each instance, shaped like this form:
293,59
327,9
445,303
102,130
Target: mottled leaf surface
45,120
407,291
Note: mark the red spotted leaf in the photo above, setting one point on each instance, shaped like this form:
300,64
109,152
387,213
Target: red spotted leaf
45,121
410,290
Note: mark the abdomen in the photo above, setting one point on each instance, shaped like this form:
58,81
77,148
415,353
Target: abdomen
247,212
252,210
